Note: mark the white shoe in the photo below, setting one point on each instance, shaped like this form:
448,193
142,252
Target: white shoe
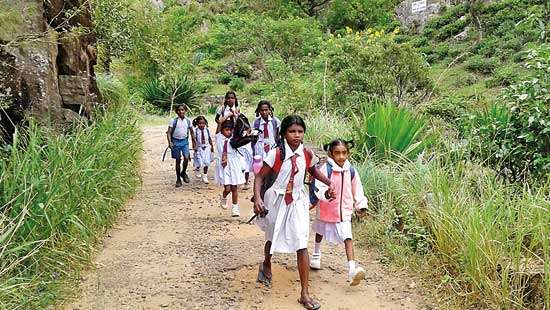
356,276
198,174
205,179
235,211
315,261
223,202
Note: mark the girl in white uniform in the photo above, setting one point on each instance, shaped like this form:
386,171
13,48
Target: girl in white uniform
284,210
228,170
203,147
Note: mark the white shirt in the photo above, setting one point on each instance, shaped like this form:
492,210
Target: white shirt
270,130
182,128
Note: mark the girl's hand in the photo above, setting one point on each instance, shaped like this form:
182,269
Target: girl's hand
331,193
361,213
212,149
259,207
171,145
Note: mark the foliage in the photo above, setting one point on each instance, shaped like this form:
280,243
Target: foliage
360,14
473,234
371,65
515,138
236,84
170,92
387,131
58,194
323,128
481,65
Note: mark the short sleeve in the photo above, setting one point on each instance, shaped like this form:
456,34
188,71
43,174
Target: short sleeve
314,159
270,158
171,123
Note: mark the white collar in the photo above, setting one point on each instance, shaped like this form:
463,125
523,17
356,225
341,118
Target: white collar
263,121
288,151
336,167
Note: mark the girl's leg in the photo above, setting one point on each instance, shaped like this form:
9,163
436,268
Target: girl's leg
226,190
355,273
235,199
303,270
267,259
205,169
348,243
184,169
315,262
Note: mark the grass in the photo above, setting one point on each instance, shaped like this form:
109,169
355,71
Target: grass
59,191
483,241
322,129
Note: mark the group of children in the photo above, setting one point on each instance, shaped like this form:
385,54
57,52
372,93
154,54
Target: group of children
280,200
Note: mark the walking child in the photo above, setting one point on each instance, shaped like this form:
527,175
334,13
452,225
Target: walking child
228,170
179,130
203,148
333,221
269,126
229,110
284,208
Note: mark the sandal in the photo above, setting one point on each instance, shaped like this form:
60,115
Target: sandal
262,278
310,304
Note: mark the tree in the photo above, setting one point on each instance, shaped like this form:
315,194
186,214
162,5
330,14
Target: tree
312,7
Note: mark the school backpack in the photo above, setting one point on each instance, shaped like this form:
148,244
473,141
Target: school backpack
175,122
313,200
273,123
270,179
240,137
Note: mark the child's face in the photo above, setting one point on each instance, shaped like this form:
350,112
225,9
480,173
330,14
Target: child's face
294,136
265,112
231,100
201,124
227,132
181,112
339,154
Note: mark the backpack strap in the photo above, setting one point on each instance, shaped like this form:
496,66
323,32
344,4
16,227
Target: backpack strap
329,170
174,124
352,172
278,161
309,157
256,123
275,129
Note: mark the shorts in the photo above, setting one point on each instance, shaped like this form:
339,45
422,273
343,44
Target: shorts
180,148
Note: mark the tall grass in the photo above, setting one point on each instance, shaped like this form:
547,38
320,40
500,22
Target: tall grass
323,128
58,193
486,240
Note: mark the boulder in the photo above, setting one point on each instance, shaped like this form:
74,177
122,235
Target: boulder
45,68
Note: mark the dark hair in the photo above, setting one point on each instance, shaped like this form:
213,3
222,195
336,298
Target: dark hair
227,124
285,124
198,119
260,104
227,97
181,106
330,146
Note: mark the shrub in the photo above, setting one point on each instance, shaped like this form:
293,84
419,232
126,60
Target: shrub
170,92
505,75
236,84
480,64
259,88
449,108
387,131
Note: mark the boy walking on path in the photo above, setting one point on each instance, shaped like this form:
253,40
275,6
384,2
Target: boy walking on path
179,130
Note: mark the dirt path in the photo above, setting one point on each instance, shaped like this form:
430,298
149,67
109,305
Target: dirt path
175,248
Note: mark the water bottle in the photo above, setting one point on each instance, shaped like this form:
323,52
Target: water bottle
257,164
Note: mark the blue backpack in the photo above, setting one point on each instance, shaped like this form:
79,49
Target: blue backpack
313,200
175,122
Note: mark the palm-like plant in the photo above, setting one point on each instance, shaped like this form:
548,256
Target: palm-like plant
170,92
387,131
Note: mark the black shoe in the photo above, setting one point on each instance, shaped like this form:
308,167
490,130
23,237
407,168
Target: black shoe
178,183
185,177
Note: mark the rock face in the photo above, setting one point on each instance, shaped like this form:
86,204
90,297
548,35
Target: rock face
46,67
415,21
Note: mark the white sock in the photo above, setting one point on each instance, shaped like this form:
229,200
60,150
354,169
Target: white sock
317,249
351,265
235,206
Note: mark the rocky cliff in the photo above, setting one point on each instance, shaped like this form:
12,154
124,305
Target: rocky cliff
47,55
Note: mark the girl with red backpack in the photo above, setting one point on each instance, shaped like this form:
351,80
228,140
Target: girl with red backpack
284,207
333,221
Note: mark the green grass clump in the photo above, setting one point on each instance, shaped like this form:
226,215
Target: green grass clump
58,194
476,235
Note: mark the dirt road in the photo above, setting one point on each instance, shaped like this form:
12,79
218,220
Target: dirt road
175,248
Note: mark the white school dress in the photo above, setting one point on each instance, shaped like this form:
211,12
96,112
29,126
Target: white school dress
259,147
287,226
232,173
203,154
247,158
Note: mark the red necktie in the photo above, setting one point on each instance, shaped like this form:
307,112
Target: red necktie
290,186
224,154
266,136
203,138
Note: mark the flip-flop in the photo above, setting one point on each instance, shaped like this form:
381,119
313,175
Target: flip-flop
262,278
311,304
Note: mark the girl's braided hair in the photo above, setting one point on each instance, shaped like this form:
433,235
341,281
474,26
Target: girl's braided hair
330,146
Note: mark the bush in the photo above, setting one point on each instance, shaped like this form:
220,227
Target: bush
505,76
480,64
259,88
449,108
236,84
59,193
515,137
387,131
170,92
